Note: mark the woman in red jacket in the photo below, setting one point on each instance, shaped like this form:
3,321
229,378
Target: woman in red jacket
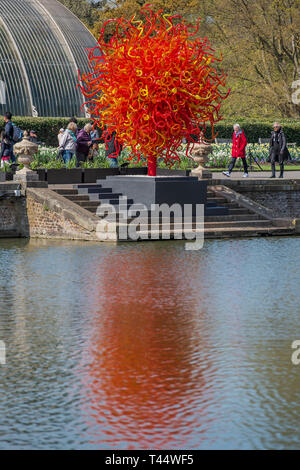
239,144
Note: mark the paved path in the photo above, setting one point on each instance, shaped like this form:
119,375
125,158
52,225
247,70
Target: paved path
236,175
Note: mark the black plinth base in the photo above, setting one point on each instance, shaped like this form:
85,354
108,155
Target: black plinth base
159,190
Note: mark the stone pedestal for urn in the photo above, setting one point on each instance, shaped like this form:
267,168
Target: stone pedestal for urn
200,154
25,151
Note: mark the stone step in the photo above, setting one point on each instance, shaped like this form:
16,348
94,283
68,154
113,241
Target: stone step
77,198
216,211
239,223
88,203
230,205
217,233
105,196
239,211
116,202
65,192
146,216
220,201
210,204
199,225
248,231
234,217
217,200
94,190
87,186
119,208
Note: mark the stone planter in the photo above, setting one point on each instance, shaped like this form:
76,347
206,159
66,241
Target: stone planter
25,151
200,154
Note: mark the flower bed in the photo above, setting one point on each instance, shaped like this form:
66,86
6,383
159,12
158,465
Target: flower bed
221,154
219,158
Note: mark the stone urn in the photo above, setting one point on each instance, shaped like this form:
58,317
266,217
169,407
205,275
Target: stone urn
200,154
25,151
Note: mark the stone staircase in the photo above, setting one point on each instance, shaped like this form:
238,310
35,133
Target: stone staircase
240,221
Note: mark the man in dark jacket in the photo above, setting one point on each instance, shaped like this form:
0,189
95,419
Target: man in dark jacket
8,129
278,149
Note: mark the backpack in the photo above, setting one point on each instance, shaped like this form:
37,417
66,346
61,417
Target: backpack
18,134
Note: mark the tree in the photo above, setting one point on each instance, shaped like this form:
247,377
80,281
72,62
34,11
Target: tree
128,8
262,52
259,39
86,11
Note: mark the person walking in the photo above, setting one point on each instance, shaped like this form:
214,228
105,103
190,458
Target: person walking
74,120
84,142
5,150
278,149
239,144
9,134
68,142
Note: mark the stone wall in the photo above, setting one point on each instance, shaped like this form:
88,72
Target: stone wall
282,196
45,223
53,216
283,203
42,213
13,220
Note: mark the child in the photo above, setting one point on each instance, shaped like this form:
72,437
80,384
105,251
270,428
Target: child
5,152
94,151
60,135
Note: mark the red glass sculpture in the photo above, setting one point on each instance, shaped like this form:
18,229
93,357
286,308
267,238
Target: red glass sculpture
154,83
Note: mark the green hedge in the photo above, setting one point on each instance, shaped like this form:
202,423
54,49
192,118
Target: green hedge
259,129
47,128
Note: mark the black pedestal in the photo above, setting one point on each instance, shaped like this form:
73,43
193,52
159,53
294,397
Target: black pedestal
159,190
164,190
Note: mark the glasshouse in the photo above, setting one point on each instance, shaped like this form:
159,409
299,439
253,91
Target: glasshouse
42,47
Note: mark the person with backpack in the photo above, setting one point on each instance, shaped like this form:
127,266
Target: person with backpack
12,133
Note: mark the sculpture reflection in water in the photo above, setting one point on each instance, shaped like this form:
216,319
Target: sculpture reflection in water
142,382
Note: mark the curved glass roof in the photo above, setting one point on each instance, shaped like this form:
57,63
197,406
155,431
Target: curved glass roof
42,46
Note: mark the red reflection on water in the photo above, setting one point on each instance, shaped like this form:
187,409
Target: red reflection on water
142,382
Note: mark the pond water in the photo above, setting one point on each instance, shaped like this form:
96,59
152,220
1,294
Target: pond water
149,346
